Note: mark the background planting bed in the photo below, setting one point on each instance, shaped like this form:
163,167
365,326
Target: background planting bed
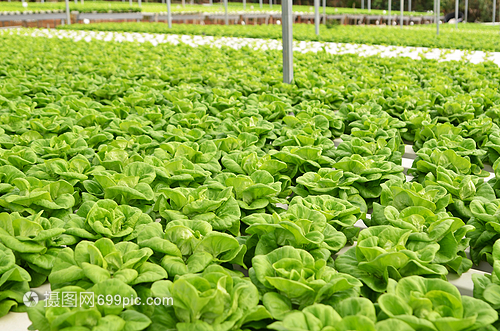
162,170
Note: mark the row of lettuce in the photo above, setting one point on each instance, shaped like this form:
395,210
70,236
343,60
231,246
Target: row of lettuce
467,37
152,7
194,174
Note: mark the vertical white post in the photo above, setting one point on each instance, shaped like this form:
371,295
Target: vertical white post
324,11
169,15
362,4
494,11
183,2
390,17
130,3
210,2
138,2
466,10
68,16
438,16
244,4
401,18
76,2
409,5
287,37
369,5
316,17
271,4
260,4
456,14
226,18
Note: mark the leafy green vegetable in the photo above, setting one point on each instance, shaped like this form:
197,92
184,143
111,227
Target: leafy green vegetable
216,299
384,252
434,304
296,275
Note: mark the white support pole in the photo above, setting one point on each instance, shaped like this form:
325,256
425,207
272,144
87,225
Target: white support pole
169,15
226,18
76,2
390,17
183,3
138,2
494,11
210,2
409,5
438,16
68,16
130,3
287,37
260,4
466,10
324,11
401,18
244,4
362,4
316,17
271,4
456,14
369,5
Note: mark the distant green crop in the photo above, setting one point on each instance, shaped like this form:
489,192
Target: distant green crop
469,37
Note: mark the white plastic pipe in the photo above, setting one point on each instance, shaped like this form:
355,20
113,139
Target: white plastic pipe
401,18
68,16
169,15
287,37
226,18
390,18
316,17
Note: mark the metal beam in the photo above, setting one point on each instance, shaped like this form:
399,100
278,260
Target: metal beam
401,18
390,17
438,9
316,17
68,16
494,11
226,18
287,37
169,15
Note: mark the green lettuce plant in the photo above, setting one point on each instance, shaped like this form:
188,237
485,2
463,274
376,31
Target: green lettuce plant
93,263
35,241
105,218
434,304
297,276
190,246
217,207
339,213
384,252
14,281
216,299
299,227
93,314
